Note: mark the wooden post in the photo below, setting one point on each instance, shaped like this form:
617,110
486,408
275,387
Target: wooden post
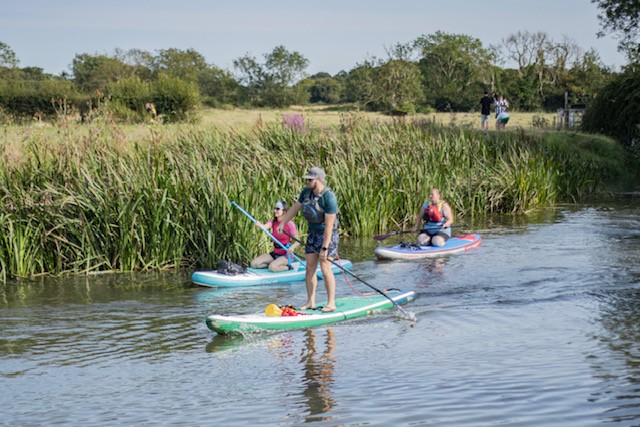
566,109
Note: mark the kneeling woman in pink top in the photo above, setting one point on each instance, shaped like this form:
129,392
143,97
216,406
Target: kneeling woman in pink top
278,259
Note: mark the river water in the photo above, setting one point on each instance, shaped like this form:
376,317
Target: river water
540,326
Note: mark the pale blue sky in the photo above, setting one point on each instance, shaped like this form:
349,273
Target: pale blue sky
333,35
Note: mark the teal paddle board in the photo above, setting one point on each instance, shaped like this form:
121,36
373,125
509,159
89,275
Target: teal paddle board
346,308
259,276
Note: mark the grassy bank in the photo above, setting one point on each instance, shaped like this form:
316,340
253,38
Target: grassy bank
105,197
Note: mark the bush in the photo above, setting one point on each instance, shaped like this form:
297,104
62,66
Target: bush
539,121
130,94
29,98
133,100
175,100
615,111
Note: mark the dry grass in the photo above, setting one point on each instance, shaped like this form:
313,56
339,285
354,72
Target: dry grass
328,116
14,137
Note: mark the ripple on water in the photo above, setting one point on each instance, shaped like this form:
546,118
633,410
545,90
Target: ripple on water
539,326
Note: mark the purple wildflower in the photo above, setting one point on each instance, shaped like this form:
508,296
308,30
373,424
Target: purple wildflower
295,122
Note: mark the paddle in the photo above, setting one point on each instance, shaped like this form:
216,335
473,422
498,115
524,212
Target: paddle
393,233
408,316
267,231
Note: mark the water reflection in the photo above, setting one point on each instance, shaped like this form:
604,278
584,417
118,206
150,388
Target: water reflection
435,265
319,367
63,290
312,350
617,365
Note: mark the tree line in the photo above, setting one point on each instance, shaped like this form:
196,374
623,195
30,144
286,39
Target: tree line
435,72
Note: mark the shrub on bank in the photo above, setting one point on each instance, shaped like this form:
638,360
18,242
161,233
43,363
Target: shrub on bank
40,99
615,111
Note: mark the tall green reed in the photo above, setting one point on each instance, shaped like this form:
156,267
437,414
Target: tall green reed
91,200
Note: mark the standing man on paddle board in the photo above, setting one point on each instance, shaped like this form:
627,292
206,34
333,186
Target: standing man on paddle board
320,208
438,219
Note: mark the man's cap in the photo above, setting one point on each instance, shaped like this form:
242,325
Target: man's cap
315,173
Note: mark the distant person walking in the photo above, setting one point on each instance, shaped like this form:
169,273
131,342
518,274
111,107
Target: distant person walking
485,110
502,117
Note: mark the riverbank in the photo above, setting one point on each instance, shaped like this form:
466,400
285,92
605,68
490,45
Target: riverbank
105,197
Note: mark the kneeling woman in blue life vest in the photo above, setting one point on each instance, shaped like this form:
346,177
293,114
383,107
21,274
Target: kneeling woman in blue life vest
278,259
438,219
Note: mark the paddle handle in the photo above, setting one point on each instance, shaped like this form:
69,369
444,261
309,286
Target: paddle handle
267,231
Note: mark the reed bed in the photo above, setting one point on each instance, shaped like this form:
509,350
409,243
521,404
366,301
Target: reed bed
89,200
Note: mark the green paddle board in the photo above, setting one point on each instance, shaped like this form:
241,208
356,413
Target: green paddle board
346,308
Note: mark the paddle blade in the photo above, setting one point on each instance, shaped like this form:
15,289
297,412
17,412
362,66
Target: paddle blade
273,310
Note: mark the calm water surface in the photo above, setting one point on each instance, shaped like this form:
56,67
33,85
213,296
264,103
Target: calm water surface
540,326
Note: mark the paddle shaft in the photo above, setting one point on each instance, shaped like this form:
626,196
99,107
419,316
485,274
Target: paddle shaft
267,231
354,275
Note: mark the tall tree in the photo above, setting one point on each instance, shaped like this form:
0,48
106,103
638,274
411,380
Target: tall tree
455,68
526,49
180,64
622,17
359,84
270,83
543,65
586,78
96,72
8,57
615,110
321,87
218,86
142,61
392,85
397,86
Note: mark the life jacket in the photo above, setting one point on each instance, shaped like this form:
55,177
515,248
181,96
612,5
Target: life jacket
311,209
282,238
433,213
